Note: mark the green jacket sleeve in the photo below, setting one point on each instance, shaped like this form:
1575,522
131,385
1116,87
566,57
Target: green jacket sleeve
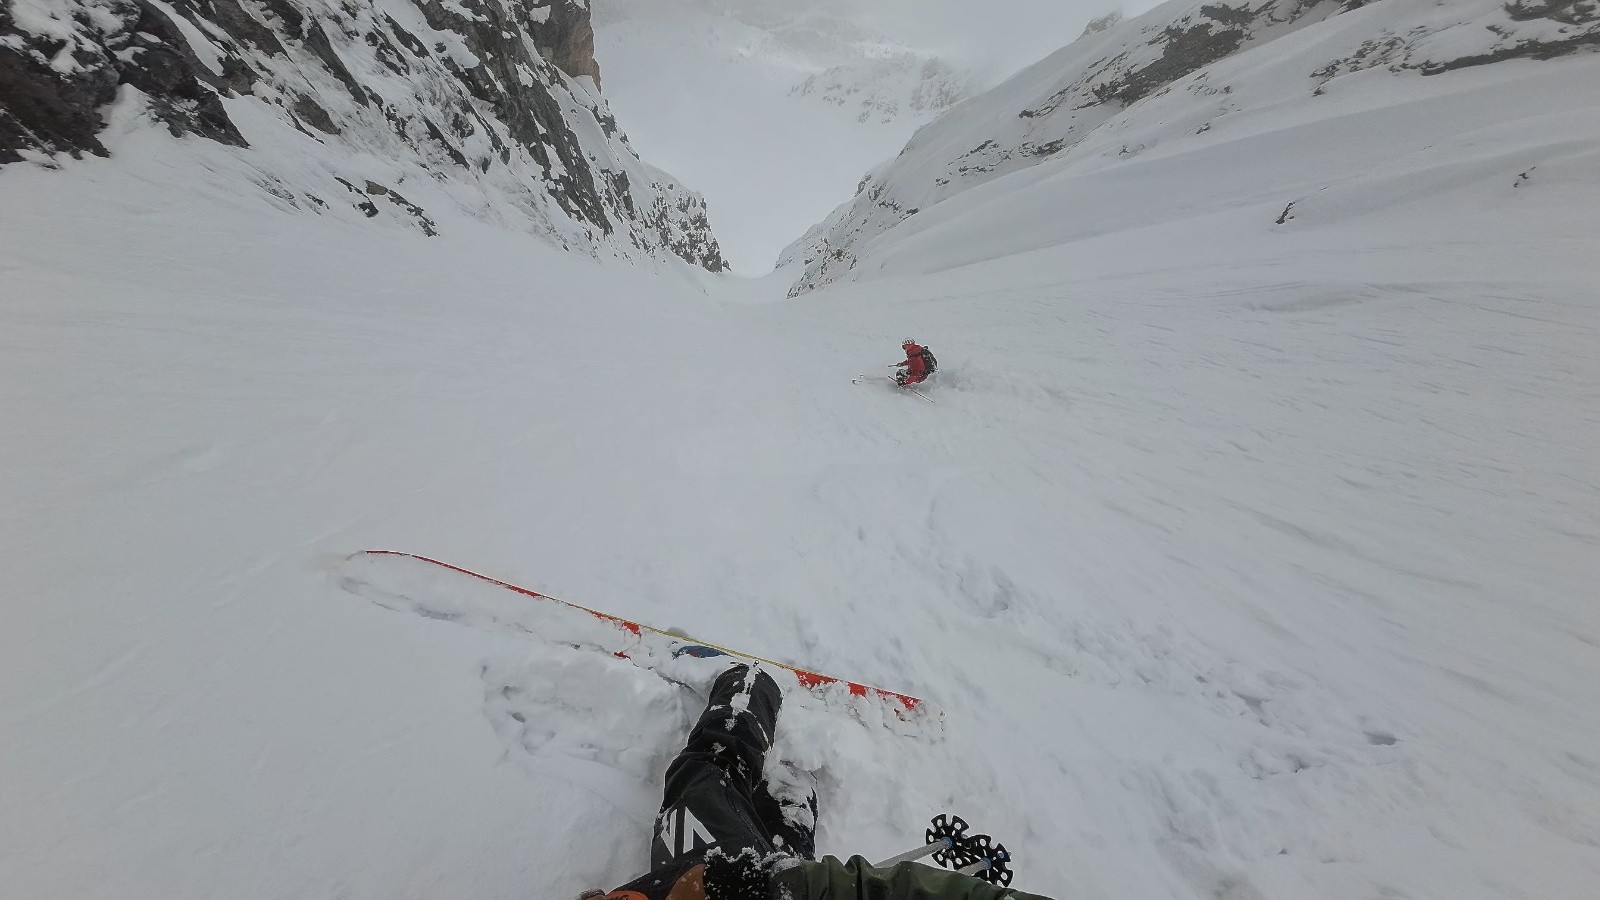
830,879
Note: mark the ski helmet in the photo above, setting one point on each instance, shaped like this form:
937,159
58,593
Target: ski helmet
908,342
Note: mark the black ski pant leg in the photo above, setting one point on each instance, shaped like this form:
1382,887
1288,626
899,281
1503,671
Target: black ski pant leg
709,800
791,826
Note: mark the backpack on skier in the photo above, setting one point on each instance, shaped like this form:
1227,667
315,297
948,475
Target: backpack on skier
917,366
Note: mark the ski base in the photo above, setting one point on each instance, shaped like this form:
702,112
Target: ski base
409,582
905,387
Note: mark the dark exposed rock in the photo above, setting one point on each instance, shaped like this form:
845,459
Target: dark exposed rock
444,143
1570,12
475,90
1231,16
1524,50
566,38
316,40
1188,49
307,109
43,109
1526,29
407,39
293,22
1215,32
53,90
532,115
1581,16
240,24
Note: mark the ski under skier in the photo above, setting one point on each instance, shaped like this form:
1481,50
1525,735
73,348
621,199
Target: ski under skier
723,835
917,365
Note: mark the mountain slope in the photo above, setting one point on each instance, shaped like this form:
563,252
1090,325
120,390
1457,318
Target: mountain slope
401,111
1199,78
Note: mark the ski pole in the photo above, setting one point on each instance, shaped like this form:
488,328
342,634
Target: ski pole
986,863
943,843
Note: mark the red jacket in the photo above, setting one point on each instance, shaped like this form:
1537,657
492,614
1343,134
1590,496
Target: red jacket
916,368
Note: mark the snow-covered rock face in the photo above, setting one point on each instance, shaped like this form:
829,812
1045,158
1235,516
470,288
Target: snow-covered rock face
834,53
489,106
1520,29
901,84
1096,26
1124,78
61,65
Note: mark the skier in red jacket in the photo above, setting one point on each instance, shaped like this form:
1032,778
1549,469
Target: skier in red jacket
918,364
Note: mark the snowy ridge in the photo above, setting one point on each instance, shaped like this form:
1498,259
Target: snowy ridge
1164,80
406,112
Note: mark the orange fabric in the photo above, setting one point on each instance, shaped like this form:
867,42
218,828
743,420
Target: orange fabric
690,886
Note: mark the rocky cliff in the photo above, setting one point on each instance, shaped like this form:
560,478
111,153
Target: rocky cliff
491,107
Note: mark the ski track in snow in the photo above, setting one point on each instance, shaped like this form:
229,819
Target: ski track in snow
1258,567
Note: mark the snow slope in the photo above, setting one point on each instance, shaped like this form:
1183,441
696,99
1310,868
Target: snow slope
1156,98
1246,560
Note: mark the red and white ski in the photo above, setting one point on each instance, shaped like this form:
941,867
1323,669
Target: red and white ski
434,589
896,382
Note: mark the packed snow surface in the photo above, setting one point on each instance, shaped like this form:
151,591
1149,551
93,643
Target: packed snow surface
1245,560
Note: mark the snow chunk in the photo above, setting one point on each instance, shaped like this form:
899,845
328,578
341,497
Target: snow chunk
43,19
63,62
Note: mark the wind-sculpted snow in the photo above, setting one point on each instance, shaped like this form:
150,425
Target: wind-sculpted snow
381,109
1164,81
